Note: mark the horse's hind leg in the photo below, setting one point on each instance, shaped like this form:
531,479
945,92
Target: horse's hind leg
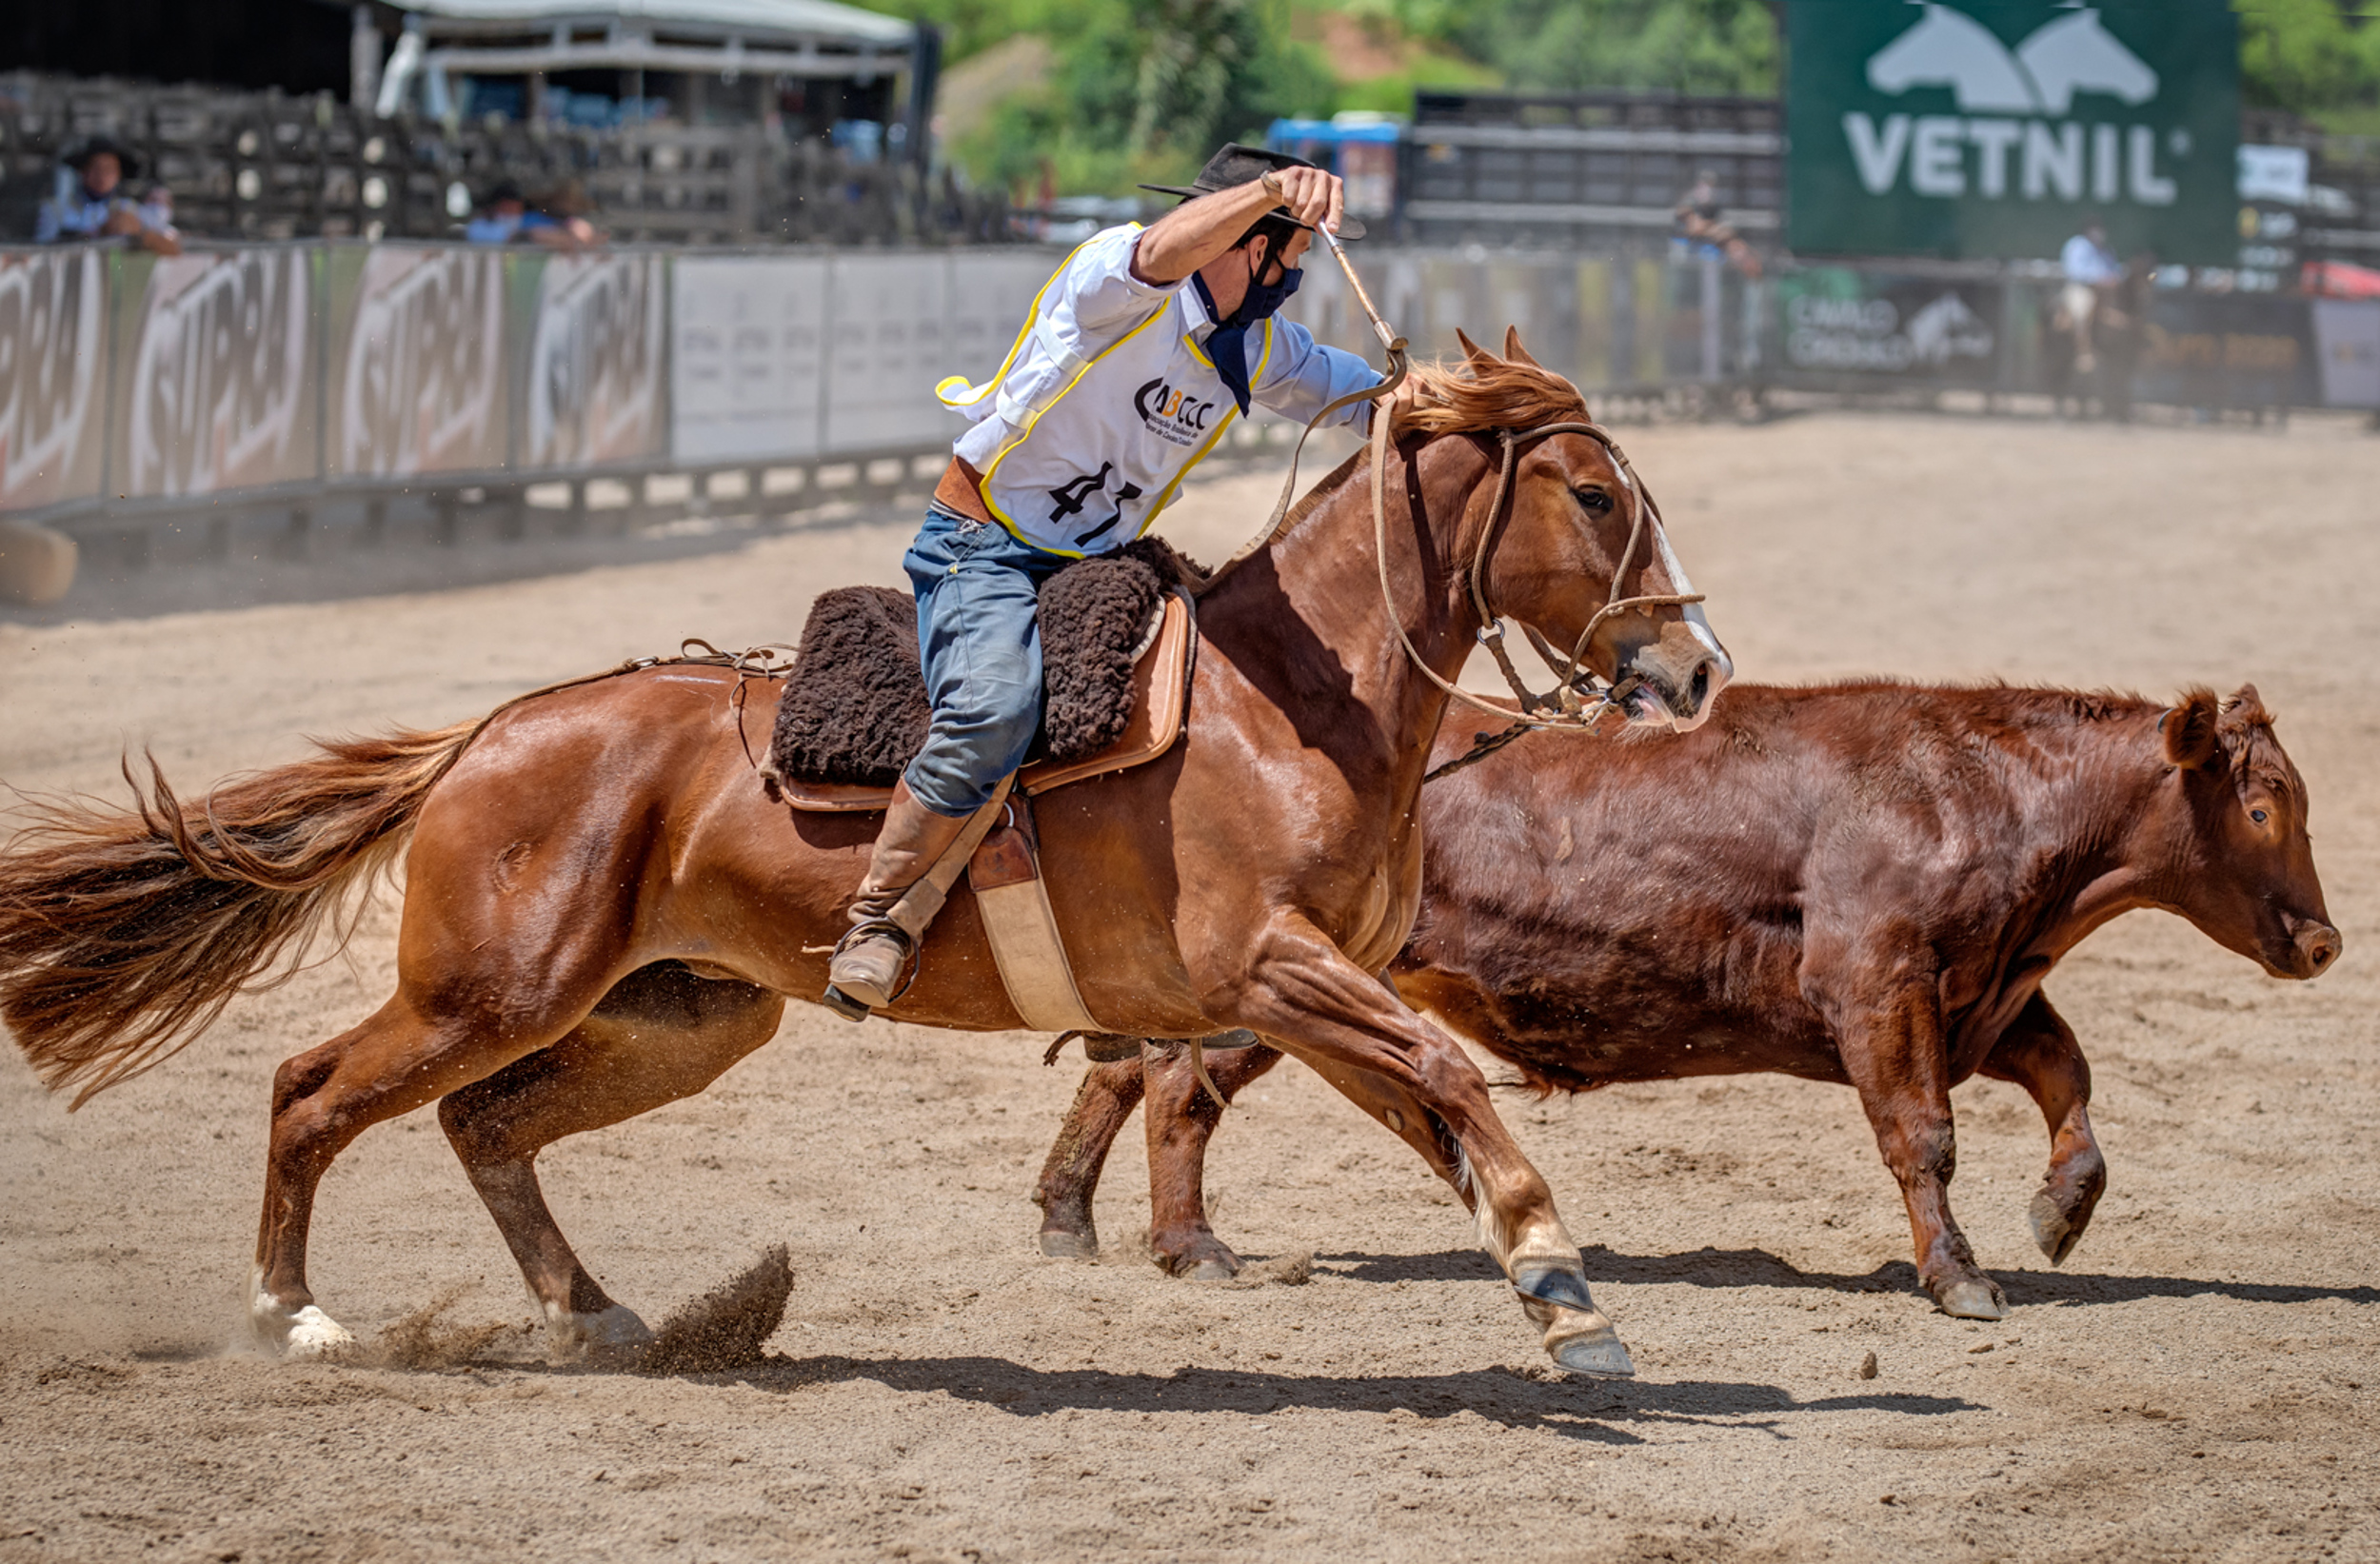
321,1100
2039,1053
661,1035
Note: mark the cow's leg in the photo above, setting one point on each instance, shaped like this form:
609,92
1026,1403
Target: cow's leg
1180,1119
2039,1053
1890,1032
661,1035
1071,1175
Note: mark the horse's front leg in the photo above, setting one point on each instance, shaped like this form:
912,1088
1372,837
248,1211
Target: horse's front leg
1290,982
2039,1053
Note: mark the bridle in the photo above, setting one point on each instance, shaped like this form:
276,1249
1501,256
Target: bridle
1578,699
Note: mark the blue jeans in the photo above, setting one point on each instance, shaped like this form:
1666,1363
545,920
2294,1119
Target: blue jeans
977,588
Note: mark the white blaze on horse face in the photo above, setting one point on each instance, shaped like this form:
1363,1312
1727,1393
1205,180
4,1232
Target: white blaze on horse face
1724,666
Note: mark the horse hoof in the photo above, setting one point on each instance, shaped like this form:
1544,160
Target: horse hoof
613,1338
1972,1300
1558,1286
2052,1229
1070,1246
1598,1354
1212,1270
312,1333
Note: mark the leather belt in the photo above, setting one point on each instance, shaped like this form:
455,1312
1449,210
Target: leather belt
962,490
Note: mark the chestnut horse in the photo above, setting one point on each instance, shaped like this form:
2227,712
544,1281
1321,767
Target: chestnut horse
1864,884
604,909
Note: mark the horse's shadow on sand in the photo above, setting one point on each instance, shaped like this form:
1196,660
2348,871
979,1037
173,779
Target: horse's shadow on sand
1598,1410
1759,1268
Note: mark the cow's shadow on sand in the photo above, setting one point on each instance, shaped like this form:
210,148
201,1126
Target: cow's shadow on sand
1595,1411
1759,1268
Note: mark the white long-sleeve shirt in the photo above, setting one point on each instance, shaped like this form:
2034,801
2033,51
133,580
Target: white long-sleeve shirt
1109,398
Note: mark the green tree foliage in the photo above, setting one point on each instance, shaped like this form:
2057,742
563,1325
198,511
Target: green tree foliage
1674,45
1140,90
2314,57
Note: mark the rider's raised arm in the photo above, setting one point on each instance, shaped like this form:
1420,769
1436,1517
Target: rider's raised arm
1192,234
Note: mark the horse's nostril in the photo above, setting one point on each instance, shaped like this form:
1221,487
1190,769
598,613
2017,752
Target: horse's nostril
1701,689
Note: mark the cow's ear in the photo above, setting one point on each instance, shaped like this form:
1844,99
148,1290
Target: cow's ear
2189,730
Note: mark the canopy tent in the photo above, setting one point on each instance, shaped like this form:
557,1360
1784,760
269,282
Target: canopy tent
808,39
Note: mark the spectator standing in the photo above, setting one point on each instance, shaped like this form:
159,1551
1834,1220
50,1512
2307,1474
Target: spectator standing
2089,268
1698,232
90,202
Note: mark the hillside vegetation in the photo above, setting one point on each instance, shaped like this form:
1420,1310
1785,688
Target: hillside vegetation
1092,96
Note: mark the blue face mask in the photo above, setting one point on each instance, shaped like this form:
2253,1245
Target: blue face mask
1227,345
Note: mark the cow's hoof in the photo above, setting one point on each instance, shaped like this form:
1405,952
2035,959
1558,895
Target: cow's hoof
2052,1228
1202,1256
1598,1354
1972,1300
1070,1246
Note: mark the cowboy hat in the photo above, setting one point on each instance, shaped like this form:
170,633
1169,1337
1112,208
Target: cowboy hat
1236,166
127,159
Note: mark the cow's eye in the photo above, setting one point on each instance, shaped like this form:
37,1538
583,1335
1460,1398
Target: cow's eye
2256,815
1596,502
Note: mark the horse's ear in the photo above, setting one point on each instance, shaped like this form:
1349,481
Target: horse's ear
1472,350
2189,730
1514,351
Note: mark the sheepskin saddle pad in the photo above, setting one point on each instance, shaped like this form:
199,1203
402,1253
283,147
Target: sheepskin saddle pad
854,711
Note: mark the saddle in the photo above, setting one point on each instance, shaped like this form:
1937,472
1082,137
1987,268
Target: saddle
1116,636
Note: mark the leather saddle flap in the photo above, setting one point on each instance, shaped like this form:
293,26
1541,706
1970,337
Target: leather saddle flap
1160,699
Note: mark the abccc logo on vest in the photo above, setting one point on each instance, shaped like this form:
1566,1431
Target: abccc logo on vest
1993,129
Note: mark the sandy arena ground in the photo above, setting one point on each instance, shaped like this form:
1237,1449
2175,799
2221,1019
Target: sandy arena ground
2199,1383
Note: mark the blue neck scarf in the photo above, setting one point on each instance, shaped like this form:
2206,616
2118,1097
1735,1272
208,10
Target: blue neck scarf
1227,345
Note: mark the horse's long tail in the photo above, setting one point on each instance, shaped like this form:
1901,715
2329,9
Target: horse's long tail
124,933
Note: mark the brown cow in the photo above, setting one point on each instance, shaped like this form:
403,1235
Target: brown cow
1863,883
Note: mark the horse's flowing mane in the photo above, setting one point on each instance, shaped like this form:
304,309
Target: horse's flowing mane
1487,393
1481,392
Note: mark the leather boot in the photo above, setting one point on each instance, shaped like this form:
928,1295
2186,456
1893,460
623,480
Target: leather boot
867,965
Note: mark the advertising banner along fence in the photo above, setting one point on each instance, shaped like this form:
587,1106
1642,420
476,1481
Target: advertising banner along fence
417,372
1995,129
53,376
215,352
264,366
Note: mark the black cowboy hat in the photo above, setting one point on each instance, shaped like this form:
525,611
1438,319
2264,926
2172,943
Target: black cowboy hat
127,159
1236,166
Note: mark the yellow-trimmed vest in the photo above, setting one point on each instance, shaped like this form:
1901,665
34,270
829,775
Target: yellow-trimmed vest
1108,399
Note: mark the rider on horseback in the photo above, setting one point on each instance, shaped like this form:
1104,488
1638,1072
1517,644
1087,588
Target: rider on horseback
1136,357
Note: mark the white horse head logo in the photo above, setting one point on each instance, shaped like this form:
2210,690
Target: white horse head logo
2075,53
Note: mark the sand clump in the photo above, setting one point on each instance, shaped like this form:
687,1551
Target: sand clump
724,1329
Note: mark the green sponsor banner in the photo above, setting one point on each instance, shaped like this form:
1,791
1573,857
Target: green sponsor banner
1992,129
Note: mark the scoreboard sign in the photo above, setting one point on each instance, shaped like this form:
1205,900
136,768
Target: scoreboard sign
1995,129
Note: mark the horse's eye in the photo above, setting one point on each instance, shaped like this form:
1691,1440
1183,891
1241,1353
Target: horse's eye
2256,815
1595,500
